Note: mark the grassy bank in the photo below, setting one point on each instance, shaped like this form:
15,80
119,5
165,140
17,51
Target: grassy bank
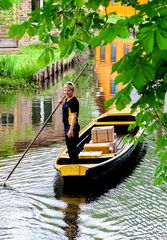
16,69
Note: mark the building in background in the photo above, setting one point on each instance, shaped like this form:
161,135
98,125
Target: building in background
107,55
18,13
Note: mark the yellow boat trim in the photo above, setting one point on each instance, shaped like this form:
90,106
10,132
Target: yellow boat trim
114,123
72,170
65,155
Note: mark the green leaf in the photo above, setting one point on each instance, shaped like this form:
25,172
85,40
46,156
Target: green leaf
148,70
161,37
126,76
18,30
88,23
108,34
32,31
57,21
86,37
5,5
123,97
116,66
66,47
54,38
79,45
148,42
14,30
123,31
45,57
64,52
163,11
163,156
157,181
14,1
78,3
23,27
163,22
109,102
66,21
105,2
139,79
71,47
122,102
96,41
159,169
94,4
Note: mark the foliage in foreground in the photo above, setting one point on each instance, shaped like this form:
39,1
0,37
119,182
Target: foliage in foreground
78,24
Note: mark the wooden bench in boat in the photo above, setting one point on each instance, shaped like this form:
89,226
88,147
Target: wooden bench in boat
89,154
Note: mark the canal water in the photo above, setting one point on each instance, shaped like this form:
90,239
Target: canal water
34,204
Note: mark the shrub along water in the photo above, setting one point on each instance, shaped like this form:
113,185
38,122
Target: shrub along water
16,69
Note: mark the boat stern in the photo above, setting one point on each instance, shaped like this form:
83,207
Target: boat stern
72,170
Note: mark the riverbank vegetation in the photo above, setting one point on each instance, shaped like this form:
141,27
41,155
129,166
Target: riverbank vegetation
17,69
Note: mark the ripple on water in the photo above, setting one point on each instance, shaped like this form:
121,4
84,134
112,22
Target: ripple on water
134,210
29,209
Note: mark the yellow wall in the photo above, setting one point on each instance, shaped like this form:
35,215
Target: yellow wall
104,66
121,10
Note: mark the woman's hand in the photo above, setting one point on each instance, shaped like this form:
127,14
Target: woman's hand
60,101
70,133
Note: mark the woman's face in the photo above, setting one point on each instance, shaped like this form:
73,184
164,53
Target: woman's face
68,92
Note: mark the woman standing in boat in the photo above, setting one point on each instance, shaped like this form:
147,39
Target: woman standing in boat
70,112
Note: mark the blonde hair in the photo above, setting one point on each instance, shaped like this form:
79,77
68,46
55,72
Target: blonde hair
70,85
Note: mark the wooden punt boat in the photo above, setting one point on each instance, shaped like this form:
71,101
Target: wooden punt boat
94,162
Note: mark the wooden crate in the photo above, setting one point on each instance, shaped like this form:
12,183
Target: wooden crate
102,134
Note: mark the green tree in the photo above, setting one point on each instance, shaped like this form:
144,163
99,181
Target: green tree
7,4
79,24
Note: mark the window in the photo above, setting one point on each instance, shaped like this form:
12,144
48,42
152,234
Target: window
113,52
102,53
7,118
114,88
126,49
37,4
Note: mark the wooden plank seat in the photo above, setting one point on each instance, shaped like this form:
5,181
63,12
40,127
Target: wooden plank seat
89,154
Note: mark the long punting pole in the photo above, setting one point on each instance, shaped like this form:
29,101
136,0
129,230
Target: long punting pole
28,147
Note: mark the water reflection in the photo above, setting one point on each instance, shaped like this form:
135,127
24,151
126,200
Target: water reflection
36,205
22,116
41,109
